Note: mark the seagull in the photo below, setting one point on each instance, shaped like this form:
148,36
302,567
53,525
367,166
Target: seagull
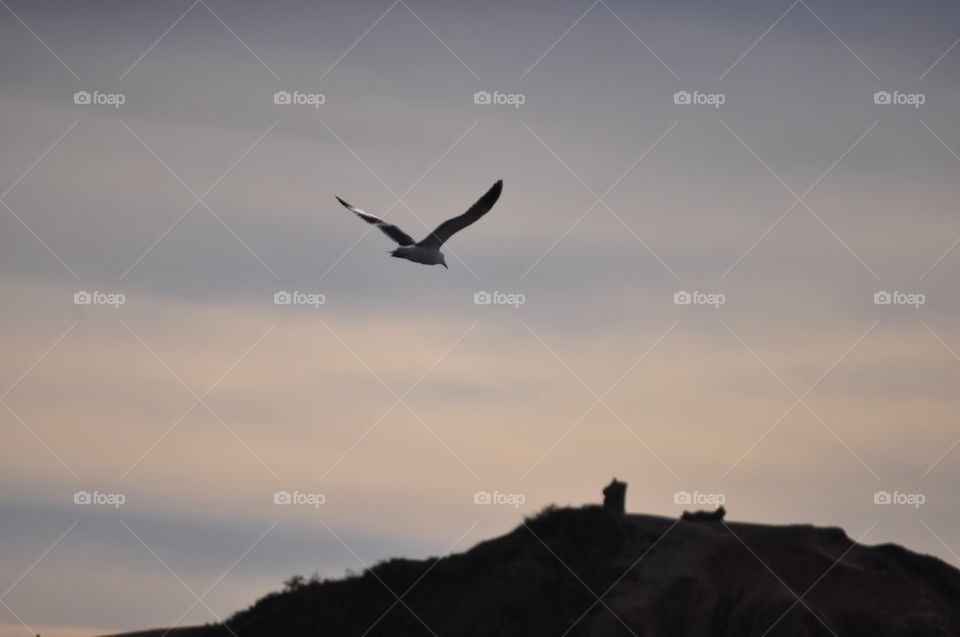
427,251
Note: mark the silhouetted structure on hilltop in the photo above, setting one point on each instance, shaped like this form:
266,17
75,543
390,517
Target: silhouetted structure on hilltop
614,496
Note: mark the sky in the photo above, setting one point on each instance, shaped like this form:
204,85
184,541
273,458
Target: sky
722,269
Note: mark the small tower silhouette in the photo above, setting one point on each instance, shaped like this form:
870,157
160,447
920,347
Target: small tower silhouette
614,496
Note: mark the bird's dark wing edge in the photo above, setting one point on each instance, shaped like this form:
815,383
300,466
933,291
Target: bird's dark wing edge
451,226
388,229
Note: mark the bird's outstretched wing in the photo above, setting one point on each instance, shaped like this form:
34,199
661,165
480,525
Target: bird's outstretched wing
388,229
451,226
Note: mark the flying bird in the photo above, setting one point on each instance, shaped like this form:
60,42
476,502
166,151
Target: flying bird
427,251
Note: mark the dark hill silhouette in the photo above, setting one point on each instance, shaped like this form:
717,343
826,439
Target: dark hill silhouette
657,577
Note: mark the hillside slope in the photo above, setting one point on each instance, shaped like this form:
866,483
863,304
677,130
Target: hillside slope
656,577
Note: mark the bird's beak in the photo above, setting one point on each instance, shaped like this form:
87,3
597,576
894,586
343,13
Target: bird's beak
445,266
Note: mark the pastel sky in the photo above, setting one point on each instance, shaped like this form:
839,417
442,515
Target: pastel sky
789,197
